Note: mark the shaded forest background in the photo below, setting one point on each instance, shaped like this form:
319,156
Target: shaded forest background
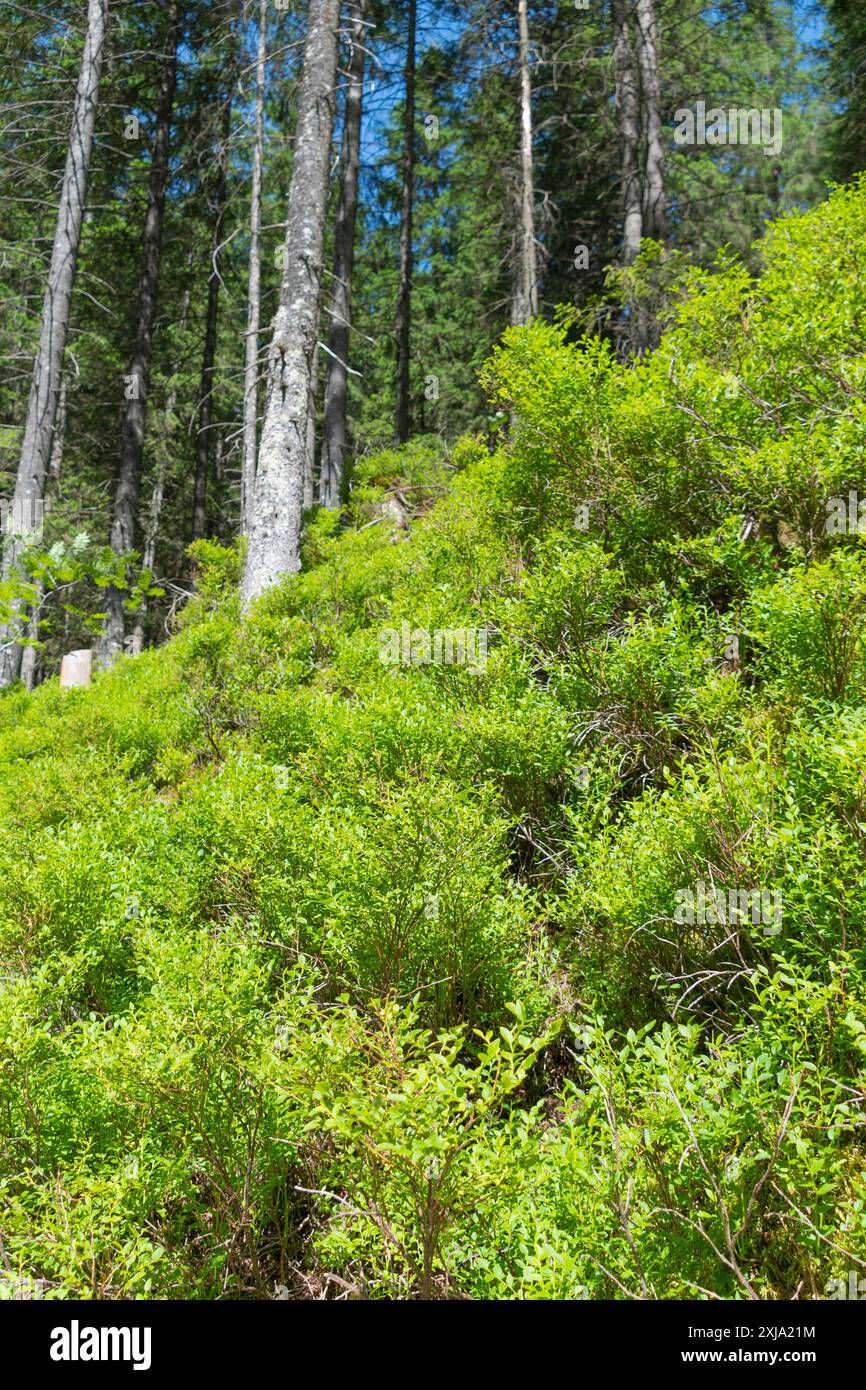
464,237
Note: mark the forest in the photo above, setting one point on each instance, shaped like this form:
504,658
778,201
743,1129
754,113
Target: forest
432,730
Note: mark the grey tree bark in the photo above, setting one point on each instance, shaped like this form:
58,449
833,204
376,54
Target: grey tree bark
334,440
402,326
310,454
524,303
628,105
138,377
148,554
30,662
39,426
251,347
275,529
655,212
206,383
56,460
157,497
30,655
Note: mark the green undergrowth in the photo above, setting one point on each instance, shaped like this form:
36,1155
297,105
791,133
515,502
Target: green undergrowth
323,973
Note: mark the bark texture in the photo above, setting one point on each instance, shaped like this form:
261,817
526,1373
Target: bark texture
206,384
30,655
402,327
251,346
157,497
655,212
334,440
310,454
524,304
275,529
38,440
628,105
138,377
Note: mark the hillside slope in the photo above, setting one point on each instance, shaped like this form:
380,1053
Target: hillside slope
333,962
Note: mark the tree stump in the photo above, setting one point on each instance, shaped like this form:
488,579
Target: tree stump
75,669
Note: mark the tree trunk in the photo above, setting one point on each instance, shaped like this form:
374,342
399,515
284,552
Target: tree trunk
275,530
157,496
310,454
524,304
334,441
251,349
205,390
627,101
56,460
402,325
655,212
48,365
148,555
30,655
138,377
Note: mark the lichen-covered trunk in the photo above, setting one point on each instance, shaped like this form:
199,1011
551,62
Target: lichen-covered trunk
275,528
403,322
655,211
251,347
334,442
38,437
524,302
628,106
138,377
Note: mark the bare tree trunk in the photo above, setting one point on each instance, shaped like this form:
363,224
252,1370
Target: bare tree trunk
310,454
138,377
402,327
655,212
334,440
205,390
157,497
627,101
148,555
30,656
524,304
48,365
275,530
56,460
251,350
